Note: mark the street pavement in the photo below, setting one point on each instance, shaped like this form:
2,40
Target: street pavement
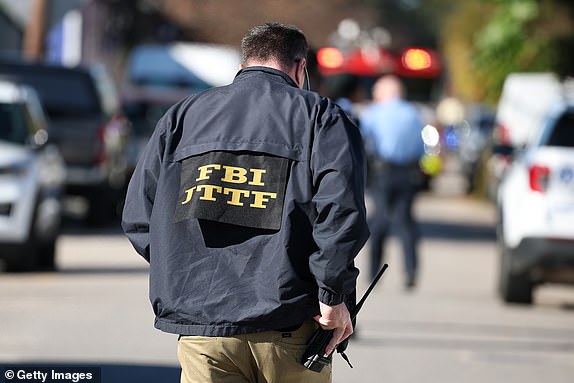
451,328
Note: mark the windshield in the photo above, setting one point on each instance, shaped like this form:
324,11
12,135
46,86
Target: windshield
156,66
13,127
62,92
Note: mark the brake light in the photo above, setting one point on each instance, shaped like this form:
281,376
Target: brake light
539,176
416,59
330,57
101,145
503,134
417,62
111,137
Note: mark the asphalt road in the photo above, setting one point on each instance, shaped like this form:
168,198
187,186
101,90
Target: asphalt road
451,328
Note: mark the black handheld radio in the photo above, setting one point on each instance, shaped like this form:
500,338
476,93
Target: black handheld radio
314,357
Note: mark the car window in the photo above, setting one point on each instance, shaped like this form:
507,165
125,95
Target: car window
155,66
65,94
62,92
13,123
563,132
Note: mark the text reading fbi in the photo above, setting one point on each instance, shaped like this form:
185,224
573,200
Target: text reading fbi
233,175
52,375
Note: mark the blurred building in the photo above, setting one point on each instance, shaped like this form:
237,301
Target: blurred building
79,31
19,18
226,21
11,33
103,31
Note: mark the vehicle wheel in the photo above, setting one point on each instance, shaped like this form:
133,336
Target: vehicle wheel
102,208
513,287
46,255
37,253
97,213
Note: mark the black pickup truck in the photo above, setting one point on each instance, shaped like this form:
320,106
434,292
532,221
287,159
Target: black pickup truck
86,124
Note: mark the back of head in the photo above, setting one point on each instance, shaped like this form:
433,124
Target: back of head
281,44
387,88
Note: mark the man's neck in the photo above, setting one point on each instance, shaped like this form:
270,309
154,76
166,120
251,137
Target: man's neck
275,65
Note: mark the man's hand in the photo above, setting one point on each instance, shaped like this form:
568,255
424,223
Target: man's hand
335,318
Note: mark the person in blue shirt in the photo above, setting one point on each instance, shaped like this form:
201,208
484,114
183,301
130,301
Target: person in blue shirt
392,127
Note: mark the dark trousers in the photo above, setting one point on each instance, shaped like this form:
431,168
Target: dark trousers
393,192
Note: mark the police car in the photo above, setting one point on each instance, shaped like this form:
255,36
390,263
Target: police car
31,180
536,210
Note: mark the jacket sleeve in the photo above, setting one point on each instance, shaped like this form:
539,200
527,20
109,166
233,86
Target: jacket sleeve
141,192
340,229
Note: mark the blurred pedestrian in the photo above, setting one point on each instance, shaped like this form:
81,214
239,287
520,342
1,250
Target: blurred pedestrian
248,203
392,127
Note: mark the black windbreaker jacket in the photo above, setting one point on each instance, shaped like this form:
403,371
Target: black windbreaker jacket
248,203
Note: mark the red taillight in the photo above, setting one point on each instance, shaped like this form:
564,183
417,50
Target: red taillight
101,144
111,136
539,176
416,59
503,134
419,63
330,57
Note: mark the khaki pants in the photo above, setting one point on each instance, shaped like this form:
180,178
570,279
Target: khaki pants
266,357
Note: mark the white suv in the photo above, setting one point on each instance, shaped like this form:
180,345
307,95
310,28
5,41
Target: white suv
31,181
536,206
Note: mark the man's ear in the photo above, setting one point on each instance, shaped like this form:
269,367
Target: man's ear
300,73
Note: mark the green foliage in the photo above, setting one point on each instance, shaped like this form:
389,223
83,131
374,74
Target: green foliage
482,41
499,37
506,44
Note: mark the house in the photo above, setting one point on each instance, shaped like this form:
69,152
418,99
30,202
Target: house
11,30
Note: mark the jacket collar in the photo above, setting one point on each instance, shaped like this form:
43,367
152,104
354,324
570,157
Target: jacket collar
280,75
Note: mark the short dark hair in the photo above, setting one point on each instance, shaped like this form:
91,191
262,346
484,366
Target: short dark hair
285,43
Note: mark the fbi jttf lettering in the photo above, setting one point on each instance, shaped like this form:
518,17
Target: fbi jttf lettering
234,196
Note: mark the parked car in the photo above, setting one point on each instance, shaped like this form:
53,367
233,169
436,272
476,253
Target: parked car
87,126
473,135
159,75
536,210
31,182
523,104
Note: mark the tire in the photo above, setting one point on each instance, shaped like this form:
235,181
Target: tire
102,207
46,255
36,254
513,287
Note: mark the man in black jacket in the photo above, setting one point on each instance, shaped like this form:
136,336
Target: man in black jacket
248,203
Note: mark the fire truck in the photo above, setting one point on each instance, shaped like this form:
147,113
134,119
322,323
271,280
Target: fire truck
420,69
